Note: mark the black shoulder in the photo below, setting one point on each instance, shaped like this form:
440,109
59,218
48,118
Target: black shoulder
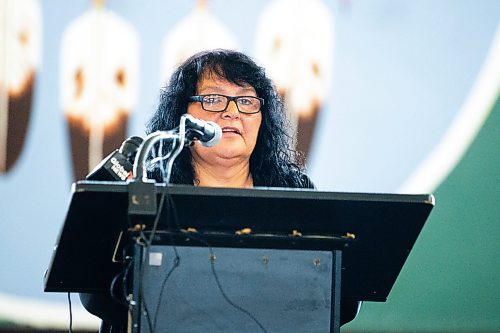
306,182
298,179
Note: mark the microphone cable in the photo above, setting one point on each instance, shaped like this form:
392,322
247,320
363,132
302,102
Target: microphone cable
175,218
146,242
70,328
158,158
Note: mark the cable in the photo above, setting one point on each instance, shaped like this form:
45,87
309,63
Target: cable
177,258
175,152
219,285
166,170
147,244
173,212
144,303
177,146
228,300
70,314
158,158
143,240
162,289
123,274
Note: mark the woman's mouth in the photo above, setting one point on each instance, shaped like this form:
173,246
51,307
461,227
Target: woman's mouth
231,130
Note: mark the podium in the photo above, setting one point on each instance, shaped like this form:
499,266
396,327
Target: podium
316,247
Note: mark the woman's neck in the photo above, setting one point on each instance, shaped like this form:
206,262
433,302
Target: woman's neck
237,175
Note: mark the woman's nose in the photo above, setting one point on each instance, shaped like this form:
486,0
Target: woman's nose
231,110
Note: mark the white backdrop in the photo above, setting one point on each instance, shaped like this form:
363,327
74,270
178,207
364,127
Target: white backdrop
402,71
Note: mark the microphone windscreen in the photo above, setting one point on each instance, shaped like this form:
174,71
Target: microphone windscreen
131,145
217,135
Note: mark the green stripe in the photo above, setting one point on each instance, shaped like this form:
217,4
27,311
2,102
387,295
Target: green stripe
451,281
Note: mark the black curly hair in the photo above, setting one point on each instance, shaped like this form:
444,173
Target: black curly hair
273,163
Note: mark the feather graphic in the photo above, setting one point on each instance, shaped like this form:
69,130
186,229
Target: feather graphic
20,48
198,31
99,73
294,42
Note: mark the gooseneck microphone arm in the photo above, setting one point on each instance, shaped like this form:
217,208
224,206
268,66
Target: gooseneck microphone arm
208,133
140,170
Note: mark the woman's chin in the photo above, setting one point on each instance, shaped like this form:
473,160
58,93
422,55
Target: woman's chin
219,154
229,153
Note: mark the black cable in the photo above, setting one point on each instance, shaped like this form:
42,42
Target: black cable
125,275
228,300
112,290
70,314
162,289
148,243
173,212
212,255
143,241
219,285
144,303
177,258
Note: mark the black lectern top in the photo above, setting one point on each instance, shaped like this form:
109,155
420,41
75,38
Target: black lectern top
375,231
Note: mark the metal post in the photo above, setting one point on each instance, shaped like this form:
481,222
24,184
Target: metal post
136,301
336,288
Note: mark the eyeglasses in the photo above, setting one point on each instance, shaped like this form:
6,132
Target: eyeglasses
219,103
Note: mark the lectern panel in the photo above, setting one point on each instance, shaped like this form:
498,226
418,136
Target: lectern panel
284,290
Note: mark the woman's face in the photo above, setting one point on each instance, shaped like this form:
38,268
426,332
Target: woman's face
239,130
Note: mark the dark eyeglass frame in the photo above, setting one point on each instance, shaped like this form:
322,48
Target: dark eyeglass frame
199,98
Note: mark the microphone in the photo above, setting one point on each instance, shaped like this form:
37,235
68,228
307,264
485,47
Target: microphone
208,133
119,164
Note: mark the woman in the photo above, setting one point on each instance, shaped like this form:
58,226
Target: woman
228,88
255,146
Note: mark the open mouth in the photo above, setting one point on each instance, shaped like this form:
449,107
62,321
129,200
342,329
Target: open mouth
231,130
